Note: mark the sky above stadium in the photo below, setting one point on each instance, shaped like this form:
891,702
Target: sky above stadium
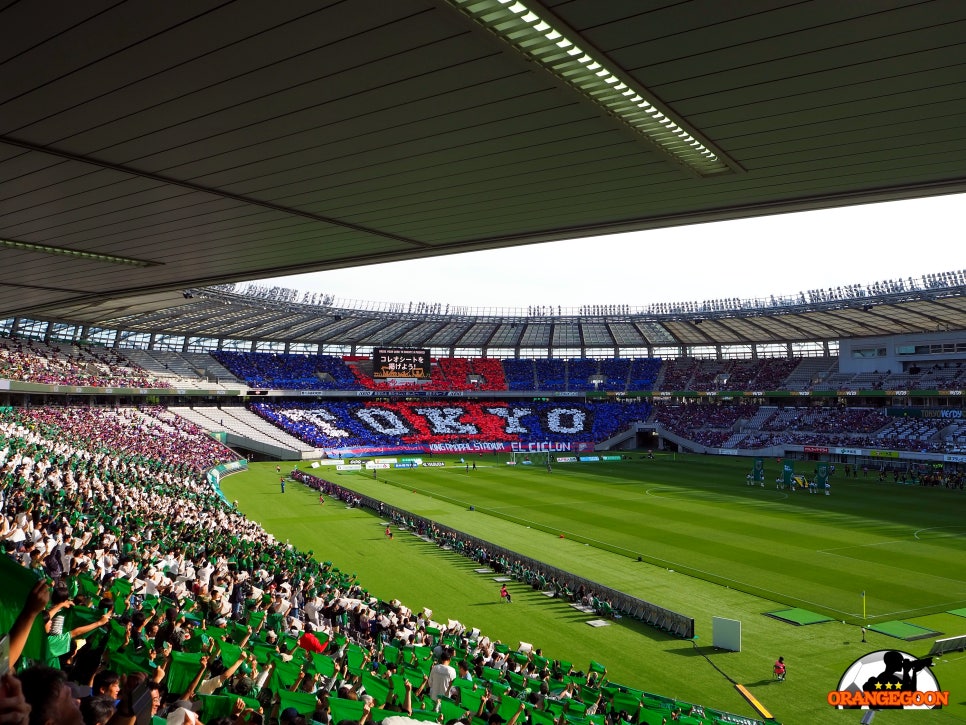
775,255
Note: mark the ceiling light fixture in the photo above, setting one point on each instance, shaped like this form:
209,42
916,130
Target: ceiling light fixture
75,253
537,37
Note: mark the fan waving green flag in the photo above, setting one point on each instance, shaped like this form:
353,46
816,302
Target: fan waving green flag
230,652
17,583
304,702
283,676
125,665
182,670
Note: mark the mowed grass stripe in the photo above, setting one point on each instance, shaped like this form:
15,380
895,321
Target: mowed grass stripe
722,531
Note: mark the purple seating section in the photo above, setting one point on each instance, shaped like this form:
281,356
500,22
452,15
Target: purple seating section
326,372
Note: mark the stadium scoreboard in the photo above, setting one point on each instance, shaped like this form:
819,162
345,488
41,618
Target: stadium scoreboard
400,362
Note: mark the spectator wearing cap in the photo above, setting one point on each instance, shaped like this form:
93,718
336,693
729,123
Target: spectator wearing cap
290,716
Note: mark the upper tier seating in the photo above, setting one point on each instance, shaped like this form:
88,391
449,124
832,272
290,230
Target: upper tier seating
32,361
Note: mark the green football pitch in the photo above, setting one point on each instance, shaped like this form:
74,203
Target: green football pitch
709,545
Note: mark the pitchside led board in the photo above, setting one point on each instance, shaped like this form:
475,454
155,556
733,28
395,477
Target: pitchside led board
400,362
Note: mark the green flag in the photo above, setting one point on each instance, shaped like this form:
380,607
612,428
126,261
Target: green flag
758,472
283,675
342,709
126,665
17,583
821,473
304,702
182,670
322,665
214,706
230,652
377,687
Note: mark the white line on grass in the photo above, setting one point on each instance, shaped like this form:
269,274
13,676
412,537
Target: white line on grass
918,609
656,492
831,552
942,528
860,546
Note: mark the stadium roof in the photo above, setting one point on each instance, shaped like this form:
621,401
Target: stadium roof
152,147
274,316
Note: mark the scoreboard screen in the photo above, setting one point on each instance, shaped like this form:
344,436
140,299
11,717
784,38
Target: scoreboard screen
394,362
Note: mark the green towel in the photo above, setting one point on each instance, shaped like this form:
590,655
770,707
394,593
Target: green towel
304,702
17,583
377,687
284,675
182,670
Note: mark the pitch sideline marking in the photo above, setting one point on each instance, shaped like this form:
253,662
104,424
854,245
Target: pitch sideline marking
859,546
651,492
939,528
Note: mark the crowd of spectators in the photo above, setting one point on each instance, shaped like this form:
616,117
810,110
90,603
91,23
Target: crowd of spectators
325,372
140,432
404,424
35,362
713,425
644,373
288,371
519,374
616,371
708,425
388,424
678,373
581,372
125,573
551,373
856,291
491,371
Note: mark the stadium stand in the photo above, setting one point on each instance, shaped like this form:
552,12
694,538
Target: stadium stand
520,374
616,372
456,371
387,424
242,423
31,360
225,619
677,374
708,425
644,373
38,362
551,374
491,372
184,370
288,372
579,373
809,371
